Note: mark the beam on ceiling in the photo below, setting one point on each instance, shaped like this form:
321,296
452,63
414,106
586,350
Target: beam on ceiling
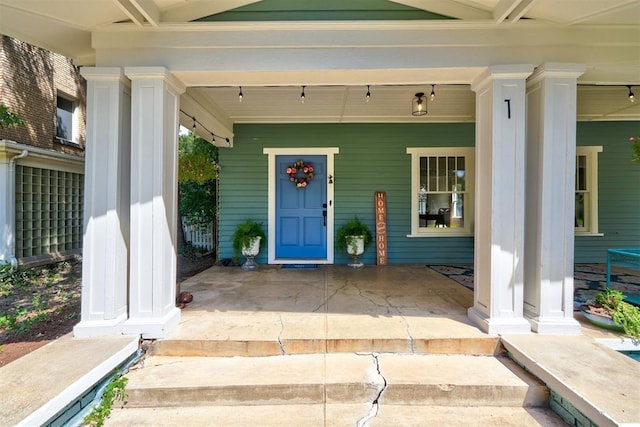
451,8
149,10
511,9
200,8
131,11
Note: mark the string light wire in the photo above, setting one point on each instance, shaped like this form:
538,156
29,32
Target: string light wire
197,123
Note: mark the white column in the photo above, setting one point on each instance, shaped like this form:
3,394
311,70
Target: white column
154,162
106,203
551,156
499,213
7,208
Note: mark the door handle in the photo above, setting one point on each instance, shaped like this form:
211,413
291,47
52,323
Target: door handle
324,214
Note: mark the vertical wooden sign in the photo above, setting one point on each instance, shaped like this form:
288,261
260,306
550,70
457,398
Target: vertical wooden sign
380,201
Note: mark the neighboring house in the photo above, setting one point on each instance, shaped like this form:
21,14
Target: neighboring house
42,161
523,158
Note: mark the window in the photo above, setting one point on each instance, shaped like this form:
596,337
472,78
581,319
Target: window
586,215
49,206
66,119
442,191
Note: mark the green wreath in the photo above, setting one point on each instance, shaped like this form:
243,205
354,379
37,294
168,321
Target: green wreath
300,167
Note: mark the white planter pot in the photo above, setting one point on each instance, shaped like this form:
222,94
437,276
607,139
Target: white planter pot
250,252
254,247
355,245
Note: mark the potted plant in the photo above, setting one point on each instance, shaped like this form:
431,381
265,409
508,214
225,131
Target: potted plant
248,239
354,238
611,312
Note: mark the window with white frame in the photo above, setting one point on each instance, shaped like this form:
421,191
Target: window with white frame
586,210
66,119
442,191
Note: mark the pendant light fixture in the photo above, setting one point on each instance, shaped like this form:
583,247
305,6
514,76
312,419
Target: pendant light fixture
302,95
240,95
433,92
632,97
419,105
368,95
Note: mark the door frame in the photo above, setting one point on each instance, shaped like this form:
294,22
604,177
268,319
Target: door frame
330,152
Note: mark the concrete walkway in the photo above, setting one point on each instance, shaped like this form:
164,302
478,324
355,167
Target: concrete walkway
400,309
40,384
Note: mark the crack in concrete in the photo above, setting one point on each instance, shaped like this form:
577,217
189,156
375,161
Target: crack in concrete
410,337
280,343
326,302
406,322
376,304
375,405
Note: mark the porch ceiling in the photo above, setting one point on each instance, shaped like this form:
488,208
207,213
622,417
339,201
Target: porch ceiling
336,60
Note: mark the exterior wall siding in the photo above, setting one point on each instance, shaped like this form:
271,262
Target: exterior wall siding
618,190
372,158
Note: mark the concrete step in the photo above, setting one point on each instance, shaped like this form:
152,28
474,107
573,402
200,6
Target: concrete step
334,378
333,415
486,345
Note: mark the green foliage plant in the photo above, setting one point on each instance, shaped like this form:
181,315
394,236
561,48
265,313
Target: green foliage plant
114,392
635,149
8,118
353,227
245,233
197,175
623,313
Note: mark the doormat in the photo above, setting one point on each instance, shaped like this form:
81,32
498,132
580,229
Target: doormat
588,280
299,265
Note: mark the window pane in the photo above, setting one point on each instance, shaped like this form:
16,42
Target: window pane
442,210
65,118
581,173
442,174
433,175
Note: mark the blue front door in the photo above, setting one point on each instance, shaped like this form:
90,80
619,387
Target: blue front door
301,222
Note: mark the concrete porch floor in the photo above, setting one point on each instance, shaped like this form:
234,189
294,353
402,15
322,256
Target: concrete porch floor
333,309
328,309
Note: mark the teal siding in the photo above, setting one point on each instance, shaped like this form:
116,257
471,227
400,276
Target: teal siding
618,190
372,158
323,10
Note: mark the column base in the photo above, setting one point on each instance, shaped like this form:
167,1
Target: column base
555,326
512,325
152,328
99,328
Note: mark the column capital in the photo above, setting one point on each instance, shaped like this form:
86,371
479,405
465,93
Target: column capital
155,73
501,72
104,74
557,69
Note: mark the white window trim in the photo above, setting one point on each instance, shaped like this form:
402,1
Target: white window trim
469,154
591,152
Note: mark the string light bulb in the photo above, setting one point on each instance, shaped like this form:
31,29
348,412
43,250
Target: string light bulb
240,94
632,97
194,124
368,95
302,95
433,93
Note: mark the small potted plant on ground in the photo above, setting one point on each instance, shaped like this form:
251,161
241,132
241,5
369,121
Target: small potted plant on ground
611,312
354,238
248,239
